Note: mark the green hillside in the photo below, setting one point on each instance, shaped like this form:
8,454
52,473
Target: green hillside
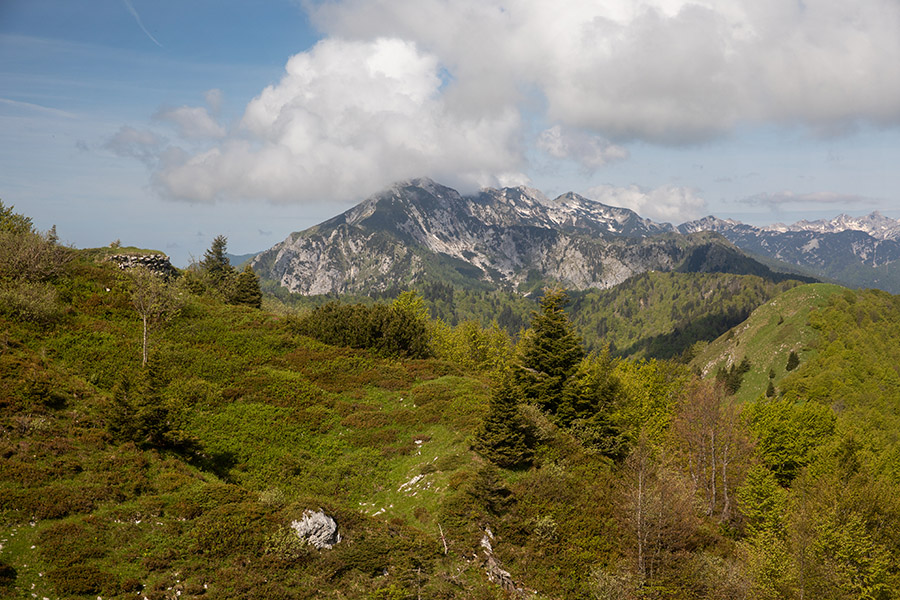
663,314
454,463
767,338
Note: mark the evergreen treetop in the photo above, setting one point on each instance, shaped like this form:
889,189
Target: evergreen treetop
549,353
214,262
503,435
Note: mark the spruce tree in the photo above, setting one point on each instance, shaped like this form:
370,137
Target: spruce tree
215,263
549,353
503,435
245,289
793,361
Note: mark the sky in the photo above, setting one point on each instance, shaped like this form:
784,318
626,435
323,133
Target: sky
163,123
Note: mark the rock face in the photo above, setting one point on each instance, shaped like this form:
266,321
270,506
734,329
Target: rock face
419,231
318,529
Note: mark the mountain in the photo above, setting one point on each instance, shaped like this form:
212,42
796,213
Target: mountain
859,252
875,224
419,231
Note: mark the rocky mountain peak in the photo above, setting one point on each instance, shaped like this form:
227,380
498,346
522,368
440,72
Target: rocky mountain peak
420,230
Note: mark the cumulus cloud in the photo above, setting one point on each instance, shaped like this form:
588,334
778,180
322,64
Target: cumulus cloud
666,203
404,88
347,118
664,71
780,199
591,151
191,122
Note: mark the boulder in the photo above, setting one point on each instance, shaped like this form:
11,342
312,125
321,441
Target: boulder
318,529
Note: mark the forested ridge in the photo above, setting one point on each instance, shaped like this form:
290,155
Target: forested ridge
160,437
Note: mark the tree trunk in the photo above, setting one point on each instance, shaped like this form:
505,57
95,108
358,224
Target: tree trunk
144,317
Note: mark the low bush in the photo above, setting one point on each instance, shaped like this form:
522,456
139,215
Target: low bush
82,579
8,574
70,543
229,530
30,302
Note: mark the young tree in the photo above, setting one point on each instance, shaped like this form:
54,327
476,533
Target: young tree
793,361
153,298
549,353
245,289
503,437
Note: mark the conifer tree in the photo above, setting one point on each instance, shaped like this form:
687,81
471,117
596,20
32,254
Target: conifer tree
503,435
793,361
549,353
245,289
215,263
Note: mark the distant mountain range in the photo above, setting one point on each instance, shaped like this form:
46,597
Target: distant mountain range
852,251
419,231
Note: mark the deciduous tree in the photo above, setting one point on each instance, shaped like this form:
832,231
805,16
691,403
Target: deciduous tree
153,298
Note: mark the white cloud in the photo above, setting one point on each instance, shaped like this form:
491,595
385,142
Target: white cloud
591,151
191,122
667,203
779,199
664,71
346,119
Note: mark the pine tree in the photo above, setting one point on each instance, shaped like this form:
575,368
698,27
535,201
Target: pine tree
549,353
503,435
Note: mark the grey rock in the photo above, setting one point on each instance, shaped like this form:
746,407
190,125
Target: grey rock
317,529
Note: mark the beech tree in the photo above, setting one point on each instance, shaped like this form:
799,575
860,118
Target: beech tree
713,443
657,509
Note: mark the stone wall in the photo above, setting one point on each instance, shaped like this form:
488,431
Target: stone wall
158,263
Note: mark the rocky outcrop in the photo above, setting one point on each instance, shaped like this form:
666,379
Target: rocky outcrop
495,572
157,263
317,529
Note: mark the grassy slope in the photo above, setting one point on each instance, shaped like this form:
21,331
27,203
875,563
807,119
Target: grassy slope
285,424
767,337
662,314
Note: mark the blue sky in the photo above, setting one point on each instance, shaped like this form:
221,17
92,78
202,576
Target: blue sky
164,123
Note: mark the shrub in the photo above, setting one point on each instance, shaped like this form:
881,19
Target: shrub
72,543
229,529
396,329
55,501
81,579
33,302
31,257
8,574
